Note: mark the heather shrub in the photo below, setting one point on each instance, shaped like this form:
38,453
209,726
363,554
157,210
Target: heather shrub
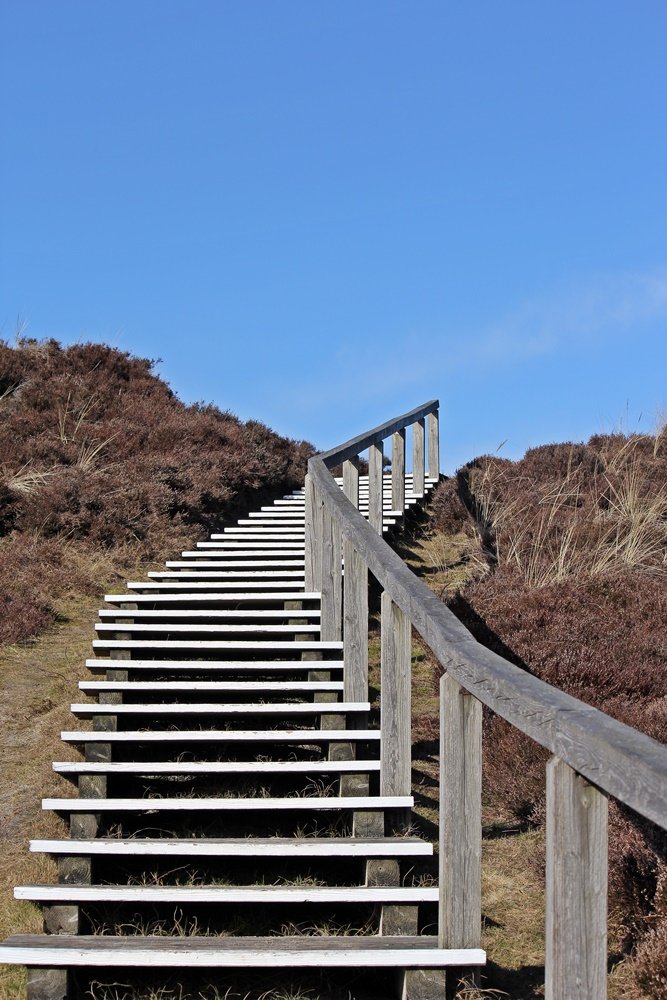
576,536
97,450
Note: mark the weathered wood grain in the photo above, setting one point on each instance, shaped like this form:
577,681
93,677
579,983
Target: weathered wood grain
460,816
375,486
398,470
355,628
395,703
576,887
433,444
351,480
418,435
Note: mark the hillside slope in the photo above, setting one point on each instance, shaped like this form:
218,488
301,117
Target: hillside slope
101,466
559,563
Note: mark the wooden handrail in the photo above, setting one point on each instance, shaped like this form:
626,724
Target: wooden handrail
593,753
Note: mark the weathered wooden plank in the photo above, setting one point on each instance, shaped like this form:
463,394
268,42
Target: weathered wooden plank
625,763
376,485
232,952
355,629
274,847
433,423
576,887
398,470
214,708
460,816
300,737
262,895
218,767
418,434
207,666
296,803
395,708
351,480
363,441
332,580
312,576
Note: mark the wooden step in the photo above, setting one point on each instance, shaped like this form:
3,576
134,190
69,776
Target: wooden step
300,737
210,614
242,847
212,597
327,803
232,767
246,577
202,645
264,895
157,628
223,666
225,588
296,687
258,563
346,951
84,710
225,543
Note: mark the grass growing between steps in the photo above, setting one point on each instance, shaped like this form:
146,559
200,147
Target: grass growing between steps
39,679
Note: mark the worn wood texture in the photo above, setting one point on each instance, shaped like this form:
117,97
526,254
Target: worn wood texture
351,480
363,441
623,762
576,887
375,486
398,470
433,444
460,816
310,539
418,435
395,708
332,579
355,618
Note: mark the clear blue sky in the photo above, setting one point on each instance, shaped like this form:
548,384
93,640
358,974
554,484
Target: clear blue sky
320,213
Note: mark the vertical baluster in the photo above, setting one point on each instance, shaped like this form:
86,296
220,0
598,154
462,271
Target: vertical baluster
309,535
398,470
460,818
418,433
375,477
576,887
331,578
351,480
433,445
355,627
395,706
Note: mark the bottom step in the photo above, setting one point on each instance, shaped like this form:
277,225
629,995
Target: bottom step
190,952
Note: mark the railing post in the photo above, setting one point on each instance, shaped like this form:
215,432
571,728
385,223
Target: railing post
418,430
460,923
434,445
313,537
351,480
332,580
375,484
576,887
398,470
395,705
355,629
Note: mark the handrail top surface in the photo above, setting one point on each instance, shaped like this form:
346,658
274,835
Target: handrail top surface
360,443
627,764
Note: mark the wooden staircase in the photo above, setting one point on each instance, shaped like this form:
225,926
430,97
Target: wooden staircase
230,816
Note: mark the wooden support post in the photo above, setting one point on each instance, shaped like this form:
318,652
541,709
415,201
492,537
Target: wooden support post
418,433
398,470
576,887
351,480
47,984
395,706
332,579
355,631
375,482
460,923
433,445
312,575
